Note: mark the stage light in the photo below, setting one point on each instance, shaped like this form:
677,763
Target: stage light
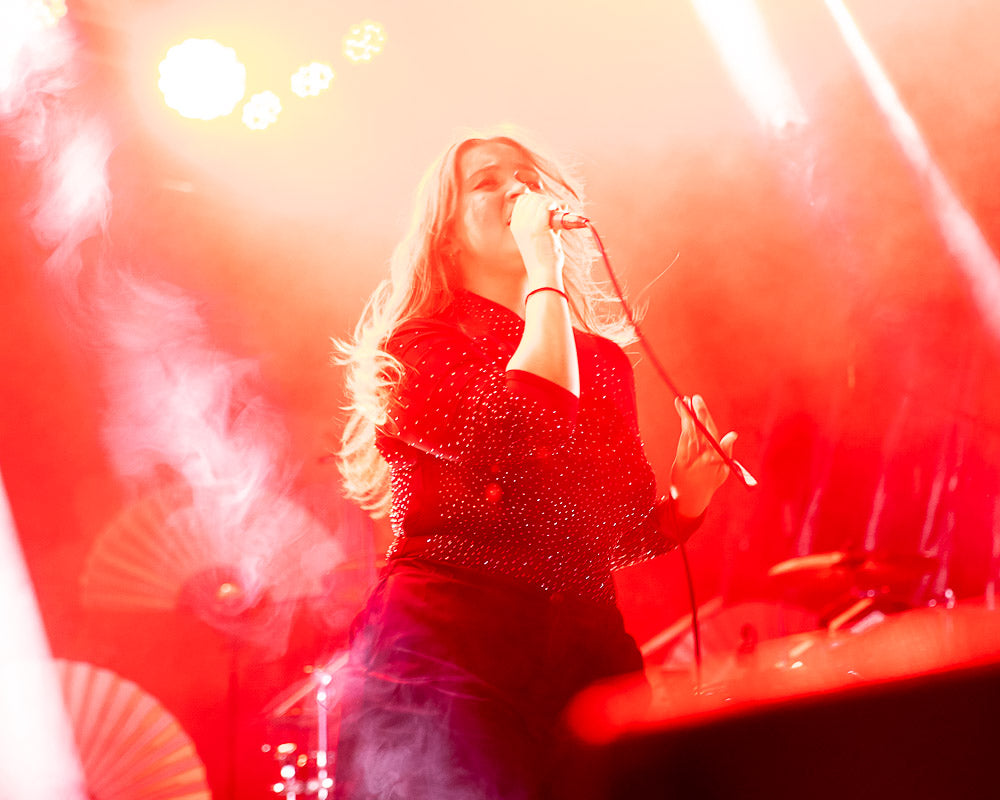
312,79
739,34
261,110
202,79
364,41
49,12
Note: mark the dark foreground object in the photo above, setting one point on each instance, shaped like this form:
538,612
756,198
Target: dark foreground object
934,736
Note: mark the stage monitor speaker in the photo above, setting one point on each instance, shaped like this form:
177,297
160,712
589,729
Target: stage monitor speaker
936,737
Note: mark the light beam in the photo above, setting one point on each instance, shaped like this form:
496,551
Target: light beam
739,34
36,740
961,234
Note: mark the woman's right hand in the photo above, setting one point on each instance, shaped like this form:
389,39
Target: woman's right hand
547,347
540,246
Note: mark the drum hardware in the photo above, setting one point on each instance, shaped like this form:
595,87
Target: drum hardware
307,773
848,582
303,774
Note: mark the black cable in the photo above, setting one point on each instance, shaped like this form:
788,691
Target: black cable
692,601
695,628
745,477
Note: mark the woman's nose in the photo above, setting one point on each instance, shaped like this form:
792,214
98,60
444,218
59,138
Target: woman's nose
518,186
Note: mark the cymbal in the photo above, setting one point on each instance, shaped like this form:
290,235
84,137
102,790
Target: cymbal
824,577
726,630
299,702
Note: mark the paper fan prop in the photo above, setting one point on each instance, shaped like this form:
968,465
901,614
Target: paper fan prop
236,563
130,746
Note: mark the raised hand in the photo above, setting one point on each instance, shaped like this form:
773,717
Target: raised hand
541,248
698,470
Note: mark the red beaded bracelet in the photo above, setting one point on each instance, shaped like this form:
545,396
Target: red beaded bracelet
546,289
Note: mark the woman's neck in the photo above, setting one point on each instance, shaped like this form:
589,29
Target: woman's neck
505,290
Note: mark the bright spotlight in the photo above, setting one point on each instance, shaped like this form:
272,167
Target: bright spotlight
740,36
364,41
261,110
49,12
202,79
312,79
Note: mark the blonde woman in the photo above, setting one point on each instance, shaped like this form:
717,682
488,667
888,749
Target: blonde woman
493,416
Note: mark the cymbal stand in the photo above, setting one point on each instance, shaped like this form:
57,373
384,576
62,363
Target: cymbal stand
308,774
324,781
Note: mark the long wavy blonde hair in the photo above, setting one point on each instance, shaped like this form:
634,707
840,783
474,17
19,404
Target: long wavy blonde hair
422,282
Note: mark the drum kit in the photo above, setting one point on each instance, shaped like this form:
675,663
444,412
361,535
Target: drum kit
823,622
305,717
845,678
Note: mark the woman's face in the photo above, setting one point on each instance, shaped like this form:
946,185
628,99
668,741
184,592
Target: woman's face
487,190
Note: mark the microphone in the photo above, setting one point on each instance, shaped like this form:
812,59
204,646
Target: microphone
560,220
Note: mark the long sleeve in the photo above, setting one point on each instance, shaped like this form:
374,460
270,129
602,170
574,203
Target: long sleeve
455,402
506,472
659,533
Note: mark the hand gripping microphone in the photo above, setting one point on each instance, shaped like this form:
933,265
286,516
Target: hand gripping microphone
560,220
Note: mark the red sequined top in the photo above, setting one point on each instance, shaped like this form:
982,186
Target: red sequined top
507,472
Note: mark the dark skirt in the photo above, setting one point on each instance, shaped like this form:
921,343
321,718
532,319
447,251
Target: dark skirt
457,681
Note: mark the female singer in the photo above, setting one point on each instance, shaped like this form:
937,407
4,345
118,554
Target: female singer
493,415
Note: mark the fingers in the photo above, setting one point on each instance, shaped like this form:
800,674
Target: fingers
704,415
686,409
691,438
699,407
541,248
531,213
686,442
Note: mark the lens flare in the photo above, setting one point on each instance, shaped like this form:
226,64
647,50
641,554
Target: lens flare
364,41
202,79
261,110
312,79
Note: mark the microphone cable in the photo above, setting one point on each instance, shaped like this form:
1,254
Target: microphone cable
742,473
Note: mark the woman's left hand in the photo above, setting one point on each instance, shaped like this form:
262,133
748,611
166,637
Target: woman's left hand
698,469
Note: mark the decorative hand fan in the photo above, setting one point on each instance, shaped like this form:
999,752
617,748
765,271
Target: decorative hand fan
130,746
235,562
